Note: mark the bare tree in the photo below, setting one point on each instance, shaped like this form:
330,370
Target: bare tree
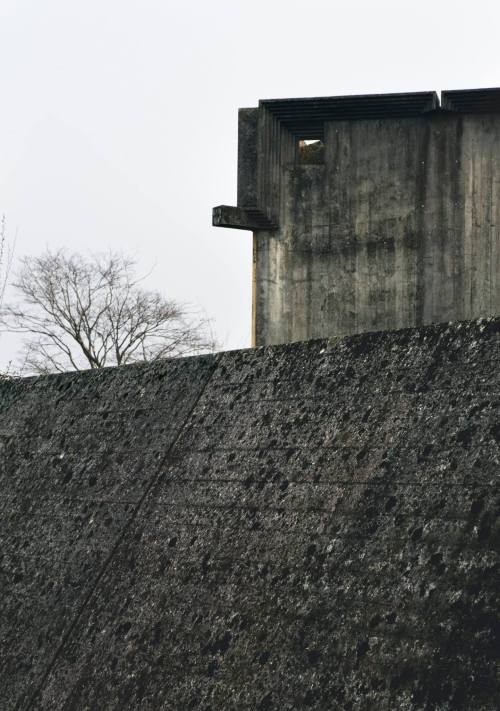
6,257
92,312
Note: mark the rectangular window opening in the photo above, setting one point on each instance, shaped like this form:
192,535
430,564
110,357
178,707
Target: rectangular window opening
311,152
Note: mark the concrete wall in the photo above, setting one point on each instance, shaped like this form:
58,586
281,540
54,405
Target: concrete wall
304,527
399,227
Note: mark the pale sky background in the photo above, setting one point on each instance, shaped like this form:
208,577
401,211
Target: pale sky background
118,118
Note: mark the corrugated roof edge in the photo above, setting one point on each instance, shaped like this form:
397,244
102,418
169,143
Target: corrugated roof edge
304,116
472,101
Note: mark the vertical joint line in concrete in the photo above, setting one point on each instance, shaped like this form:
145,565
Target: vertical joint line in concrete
117,544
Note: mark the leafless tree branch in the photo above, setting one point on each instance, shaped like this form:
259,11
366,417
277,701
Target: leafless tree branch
92,312
7,248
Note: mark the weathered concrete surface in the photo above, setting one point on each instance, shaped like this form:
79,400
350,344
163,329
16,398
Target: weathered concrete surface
320,530
399,227
77,455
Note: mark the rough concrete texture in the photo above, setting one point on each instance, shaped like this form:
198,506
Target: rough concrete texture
311,526
396,224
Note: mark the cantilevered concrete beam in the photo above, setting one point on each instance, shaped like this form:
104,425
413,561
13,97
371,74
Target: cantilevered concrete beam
241,218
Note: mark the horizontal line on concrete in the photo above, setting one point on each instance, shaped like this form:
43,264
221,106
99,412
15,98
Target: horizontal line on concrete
250,507
339,482
290,530
219,383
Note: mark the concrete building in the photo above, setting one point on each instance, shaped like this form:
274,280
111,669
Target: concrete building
300,527
391,220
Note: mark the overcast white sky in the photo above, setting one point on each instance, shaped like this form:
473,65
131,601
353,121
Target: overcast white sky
118,118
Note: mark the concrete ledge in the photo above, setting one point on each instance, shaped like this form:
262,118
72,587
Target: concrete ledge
241,218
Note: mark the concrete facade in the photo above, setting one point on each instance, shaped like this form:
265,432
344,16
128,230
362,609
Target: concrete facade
394,223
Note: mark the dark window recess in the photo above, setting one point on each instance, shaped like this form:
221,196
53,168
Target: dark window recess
311,152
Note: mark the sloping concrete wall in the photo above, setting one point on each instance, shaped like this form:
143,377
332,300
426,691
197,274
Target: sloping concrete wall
312,526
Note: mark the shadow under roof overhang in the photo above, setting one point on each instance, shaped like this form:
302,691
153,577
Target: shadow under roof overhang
305,117
472,101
